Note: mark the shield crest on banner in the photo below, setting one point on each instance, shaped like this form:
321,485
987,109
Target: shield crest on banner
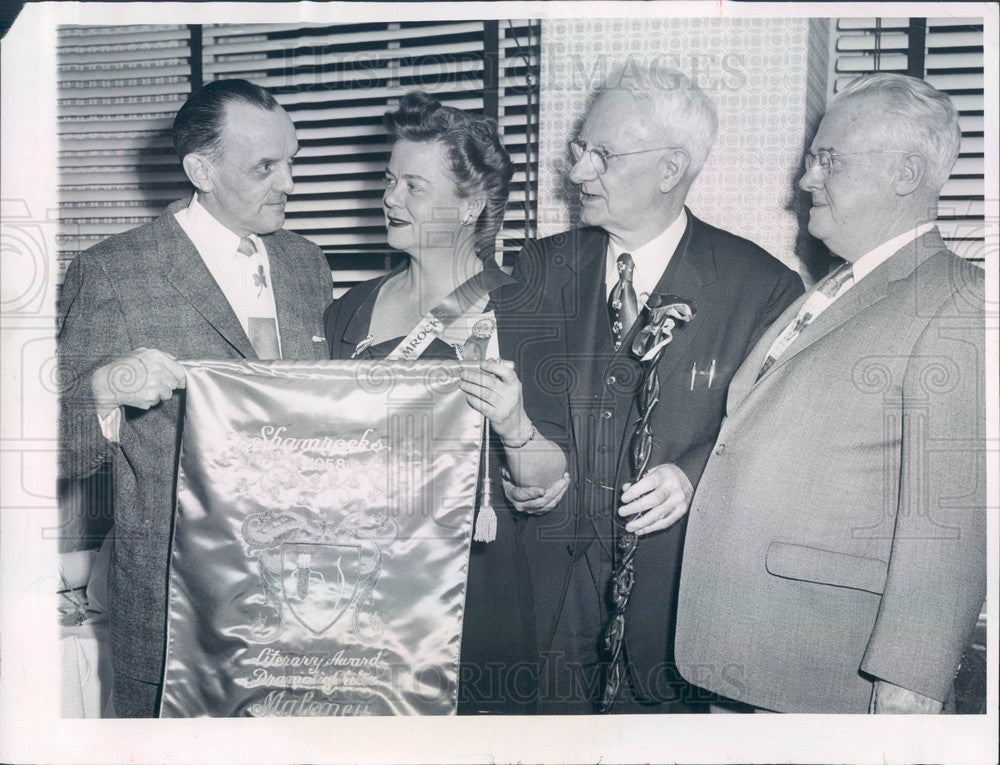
320,582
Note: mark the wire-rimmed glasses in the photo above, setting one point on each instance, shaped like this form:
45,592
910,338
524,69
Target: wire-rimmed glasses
599,156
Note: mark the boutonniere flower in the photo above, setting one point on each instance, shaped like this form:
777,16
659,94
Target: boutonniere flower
665,312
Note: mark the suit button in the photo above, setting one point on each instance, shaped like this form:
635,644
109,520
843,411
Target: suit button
606,414
611,380
602,450
720,448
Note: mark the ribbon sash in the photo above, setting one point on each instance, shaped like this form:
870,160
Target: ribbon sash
447,312
321,540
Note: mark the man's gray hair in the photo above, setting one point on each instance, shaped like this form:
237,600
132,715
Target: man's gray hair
682,107
927,119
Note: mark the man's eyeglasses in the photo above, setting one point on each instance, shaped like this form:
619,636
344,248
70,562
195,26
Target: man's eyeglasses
599,156
825,159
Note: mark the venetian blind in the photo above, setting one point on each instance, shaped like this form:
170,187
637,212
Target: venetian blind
337,81
947,53
119,88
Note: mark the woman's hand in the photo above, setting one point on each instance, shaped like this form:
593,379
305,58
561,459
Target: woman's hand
495,391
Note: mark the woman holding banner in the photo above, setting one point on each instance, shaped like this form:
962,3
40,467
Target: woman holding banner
446,189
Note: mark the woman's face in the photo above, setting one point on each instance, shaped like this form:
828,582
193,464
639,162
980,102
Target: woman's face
422,208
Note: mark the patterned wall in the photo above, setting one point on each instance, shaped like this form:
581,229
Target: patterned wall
755,70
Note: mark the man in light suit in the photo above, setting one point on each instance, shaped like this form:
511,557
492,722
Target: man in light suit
214,277
638,152
835,558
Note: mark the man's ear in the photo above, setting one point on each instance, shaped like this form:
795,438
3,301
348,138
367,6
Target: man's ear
909,174
674,165
200,172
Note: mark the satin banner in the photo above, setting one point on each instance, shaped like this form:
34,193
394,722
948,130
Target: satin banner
321,540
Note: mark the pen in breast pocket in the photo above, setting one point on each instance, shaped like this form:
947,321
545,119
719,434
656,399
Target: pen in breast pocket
711,373
694,371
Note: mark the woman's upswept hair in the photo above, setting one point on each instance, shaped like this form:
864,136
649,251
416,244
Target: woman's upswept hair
480,165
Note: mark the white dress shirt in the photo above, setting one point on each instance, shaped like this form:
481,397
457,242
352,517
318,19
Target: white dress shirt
872,260
245,280
233,271
650,260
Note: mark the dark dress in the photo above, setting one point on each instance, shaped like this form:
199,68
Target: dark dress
498,672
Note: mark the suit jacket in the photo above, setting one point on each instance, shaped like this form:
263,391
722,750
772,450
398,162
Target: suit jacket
149,287
736,289
838,532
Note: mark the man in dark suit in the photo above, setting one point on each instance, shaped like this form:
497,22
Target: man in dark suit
638,152
214,277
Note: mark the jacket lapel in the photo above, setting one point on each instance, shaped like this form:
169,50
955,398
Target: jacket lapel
690,270
872,288
588,331
189,274
296,335
746,375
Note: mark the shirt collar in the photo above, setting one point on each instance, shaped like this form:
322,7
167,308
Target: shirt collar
209,236
651,259
876,257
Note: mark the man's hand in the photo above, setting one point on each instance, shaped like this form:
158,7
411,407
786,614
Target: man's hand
663,496
142,379
534,500
889,699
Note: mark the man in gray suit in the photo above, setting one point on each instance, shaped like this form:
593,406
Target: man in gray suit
214,277
835,558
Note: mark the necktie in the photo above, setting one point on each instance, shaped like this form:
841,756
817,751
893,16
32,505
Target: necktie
246,247
825,293
263,330
623,306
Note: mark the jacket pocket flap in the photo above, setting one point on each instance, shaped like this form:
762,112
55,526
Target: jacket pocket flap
812,564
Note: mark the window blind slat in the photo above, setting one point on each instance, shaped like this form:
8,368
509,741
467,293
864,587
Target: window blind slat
165,68
138,123
852,23
951,81
125,87
868,41
964,60
962,188
74,40
860,64
936,24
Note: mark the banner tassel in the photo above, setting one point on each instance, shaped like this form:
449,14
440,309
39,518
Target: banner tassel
486,519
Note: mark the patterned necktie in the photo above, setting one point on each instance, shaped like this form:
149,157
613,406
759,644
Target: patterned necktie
825,293
623,306
263,330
